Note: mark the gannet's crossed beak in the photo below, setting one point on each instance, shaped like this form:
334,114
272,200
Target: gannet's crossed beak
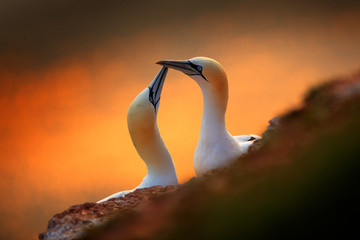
186,67
156,86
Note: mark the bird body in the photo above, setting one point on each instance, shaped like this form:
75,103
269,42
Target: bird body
216,147
146,138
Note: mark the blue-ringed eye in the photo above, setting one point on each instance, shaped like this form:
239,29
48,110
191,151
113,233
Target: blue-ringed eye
199,68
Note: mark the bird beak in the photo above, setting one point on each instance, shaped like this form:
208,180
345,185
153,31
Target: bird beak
156,86
186,67
183,66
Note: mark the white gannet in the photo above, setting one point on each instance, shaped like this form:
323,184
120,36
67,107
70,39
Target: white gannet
216,147
144,132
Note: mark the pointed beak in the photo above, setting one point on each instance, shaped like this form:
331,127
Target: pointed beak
183,66
186,67
156,86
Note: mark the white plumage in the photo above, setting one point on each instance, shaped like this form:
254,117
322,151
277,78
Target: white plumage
146,138
216,147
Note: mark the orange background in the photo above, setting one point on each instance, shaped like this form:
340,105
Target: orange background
65,88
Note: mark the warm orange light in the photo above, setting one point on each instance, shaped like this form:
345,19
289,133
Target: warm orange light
63,130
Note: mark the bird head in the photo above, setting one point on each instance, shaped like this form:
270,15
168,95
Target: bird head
143,110
205,71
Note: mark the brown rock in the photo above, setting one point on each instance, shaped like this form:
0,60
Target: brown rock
74,222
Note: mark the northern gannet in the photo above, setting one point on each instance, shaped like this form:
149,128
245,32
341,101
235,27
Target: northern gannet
144,132
216,147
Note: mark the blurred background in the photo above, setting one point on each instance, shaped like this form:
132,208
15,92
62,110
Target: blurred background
70,69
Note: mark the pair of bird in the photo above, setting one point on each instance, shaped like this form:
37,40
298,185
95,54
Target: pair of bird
216,147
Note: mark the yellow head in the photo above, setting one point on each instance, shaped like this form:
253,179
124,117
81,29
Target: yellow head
142,112
207,72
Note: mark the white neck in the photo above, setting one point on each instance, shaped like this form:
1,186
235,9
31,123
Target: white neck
159,164
216,147
213,118
146,138
159,161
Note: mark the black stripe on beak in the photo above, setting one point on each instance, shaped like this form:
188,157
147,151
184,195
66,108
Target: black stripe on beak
156,86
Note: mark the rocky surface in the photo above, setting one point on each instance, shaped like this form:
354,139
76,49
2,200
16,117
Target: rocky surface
74,222
299,181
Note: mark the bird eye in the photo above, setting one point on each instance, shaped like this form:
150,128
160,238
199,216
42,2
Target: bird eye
199,68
